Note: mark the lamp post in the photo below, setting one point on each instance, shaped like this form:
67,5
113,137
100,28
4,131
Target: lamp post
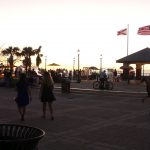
45,62
73,68
78,80
100,63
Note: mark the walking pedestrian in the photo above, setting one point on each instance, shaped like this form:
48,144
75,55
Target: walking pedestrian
115,75
147,81
23,95
46,93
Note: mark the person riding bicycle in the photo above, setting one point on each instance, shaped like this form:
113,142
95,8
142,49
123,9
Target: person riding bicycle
103,78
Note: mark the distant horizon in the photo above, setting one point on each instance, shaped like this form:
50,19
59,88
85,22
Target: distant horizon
42,65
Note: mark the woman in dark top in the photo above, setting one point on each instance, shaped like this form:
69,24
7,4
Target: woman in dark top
23,95
46,93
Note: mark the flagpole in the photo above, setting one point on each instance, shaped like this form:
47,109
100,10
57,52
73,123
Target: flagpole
128,49
127,39
126,32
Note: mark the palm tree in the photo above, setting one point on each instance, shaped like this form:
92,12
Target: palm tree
27,52
11,52
38,58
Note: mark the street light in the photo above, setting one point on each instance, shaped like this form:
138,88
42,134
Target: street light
73,68
45,62
100,63
78,80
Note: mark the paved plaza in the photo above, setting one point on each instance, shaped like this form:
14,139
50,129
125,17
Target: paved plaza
87,119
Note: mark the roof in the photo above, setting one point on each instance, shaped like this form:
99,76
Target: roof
142,56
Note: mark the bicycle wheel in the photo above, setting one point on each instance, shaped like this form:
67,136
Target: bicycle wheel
109,85
96,84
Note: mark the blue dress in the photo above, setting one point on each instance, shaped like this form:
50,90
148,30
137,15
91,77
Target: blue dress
23,96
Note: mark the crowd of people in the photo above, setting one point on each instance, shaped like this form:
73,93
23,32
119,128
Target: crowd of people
34,76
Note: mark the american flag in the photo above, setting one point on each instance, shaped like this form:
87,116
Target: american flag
144,30
122,32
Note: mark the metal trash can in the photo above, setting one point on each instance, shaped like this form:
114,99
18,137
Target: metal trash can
19,137
65,85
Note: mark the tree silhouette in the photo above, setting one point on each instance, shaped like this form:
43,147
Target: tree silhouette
11,52
38,57
27,52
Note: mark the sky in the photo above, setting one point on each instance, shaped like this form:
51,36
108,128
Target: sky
62,27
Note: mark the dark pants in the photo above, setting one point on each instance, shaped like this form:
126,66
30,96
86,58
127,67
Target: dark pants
148,90
102,83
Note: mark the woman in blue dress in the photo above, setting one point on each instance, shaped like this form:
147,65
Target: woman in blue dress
23,95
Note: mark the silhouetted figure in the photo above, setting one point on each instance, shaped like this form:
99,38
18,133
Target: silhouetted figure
115,75
147,81
103,78
46,93
23,95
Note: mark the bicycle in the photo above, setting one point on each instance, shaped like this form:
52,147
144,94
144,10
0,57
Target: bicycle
108,85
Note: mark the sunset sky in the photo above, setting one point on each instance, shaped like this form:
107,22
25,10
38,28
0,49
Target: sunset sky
62,27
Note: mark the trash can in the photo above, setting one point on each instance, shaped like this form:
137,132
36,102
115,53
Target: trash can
19,137
65,85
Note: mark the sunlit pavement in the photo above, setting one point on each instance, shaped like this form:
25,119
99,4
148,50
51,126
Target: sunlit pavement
87,121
